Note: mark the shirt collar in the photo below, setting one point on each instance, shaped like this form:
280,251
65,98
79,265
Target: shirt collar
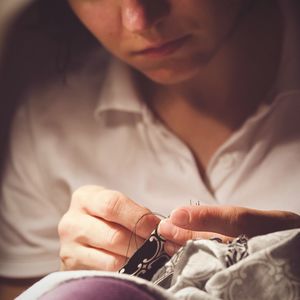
119,92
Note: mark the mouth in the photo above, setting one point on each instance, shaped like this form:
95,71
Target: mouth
163,49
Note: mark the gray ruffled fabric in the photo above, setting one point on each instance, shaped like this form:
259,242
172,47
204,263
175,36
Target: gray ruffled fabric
265,267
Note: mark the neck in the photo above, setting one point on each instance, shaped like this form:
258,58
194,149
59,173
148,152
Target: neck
227,89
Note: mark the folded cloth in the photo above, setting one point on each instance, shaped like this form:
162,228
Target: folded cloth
263,267
149,258
89,285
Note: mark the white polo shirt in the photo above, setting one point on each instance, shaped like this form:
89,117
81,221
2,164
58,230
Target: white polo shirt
97,130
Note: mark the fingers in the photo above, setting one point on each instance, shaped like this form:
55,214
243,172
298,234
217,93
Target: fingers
233,221
180,236
220,219
89,231
115,207
223,222
101,228
78,257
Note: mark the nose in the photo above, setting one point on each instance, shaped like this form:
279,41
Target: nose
142,15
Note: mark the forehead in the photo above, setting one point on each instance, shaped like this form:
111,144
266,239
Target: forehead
158,4
203,9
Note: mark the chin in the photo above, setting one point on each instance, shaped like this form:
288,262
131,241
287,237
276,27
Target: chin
170,76
174,70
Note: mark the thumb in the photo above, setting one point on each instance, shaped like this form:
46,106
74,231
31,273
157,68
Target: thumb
232,221
206,218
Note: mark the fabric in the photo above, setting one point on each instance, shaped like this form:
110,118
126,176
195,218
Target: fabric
237,250
51,282
91,127
150,257
270,270
199,271
97,288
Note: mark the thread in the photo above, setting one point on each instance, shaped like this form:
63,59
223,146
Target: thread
134,232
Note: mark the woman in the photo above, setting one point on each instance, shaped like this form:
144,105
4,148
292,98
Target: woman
196,102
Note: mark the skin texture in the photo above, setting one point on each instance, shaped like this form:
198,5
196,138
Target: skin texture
132,25
222,49
96,230
202,83
224,222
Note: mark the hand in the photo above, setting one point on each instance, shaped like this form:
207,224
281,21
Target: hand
224,222
96,230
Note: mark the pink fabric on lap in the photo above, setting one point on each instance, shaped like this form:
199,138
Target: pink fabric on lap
97,288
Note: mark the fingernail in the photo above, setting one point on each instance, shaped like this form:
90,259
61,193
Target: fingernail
166,229
180,217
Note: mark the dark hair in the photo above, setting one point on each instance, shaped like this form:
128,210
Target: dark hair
56,20
51,19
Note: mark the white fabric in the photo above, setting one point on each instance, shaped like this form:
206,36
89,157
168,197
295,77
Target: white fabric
99,132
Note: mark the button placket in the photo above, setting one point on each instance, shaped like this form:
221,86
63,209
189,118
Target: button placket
227,161
188,166
222,167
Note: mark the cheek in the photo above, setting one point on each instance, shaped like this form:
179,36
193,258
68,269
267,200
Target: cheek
213,18
226,13
102,20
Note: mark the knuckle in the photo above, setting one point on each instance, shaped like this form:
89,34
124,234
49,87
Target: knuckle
181,236
113,203
80,193
67,262
115,238
240,219
178,234
66,226
191,235
203,217
84,192
116,263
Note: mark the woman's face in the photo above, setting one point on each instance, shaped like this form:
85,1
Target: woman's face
167,40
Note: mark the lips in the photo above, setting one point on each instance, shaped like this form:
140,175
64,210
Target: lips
163,49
